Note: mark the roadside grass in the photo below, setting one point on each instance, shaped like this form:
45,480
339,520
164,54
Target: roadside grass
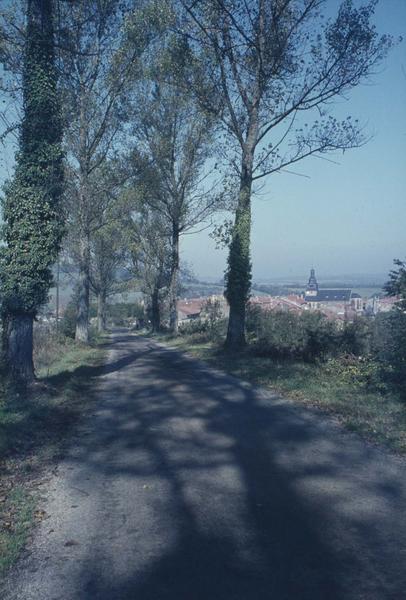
34,426
378,415
17,516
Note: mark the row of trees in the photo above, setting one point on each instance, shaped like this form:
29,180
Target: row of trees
142,120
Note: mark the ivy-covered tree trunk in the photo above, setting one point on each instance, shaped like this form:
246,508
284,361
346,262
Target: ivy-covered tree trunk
83,297
238,276
20,345
155,310
101,312
31,206
174,283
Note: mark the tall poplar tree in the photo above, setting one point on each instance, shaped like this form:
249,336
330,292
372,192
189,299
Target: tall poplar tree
32,214
98,65
172,151
260,66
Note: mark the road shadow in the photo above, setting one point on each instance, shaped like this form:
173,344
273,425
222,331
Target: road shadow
48,411
230,467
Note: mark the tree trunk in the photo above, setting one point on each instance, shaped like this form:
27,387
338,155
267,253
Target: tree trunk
19,347
155,311
238,277
173,285
101,312
82,316
58,270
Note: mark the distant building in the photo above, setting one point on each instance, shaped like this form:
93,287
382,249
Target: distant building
312,289
291,303
191,309
314,294
357,302
343,302
377,305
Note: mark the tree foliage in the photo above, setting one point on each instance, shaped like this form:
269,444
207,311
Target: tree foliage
396,286
150,254
258,67
172,148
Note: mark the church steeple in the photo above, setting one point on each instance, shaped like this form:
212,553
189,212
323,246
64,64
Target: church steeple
312,286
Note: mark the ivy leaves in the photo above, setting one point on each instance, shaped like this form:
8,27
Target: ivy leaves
33,223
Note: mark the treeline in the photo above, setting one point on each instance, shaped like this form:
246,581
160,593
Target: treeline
143,120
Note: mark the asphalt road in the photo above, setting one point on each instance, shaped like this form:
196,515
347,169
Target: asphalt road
187,484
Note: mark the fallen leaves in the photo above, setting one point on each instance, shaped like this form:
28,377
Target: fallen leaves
40,515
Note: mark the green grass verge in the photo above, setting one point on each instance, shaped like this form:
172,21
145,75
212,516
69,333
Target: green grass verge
34,427
377,415
17,513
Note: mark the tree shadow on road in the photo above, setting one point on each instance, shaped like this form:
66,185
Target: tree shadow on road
242,490
227,468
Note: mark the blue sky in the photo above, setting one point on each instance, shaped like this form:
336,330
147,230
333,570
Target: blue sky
346,218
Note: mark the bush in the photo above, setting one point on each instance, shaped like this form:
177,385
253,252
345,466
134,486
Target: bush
322,337
212,311
218,330
278,335
286,335
68,322
389,347
369,352
193,326
254,320
357,337
206,329
49,346
361,371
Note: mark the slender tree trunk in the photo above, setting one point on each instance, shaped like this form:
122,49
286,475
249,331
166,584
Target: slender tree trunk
155,311
173,285
57,294
101,312
19,347
83,306
238,278
82,316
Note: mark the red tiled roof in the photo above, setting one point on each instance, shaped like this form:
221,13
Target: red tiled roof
192,306
272,303
389,300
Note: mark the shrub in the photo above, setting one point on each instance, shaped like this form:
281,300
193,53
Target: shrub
218,330
361,371
193,326
49,346
356,337
307,336
206,329
322,337
278,335
68,321
254,320
389,347
212,311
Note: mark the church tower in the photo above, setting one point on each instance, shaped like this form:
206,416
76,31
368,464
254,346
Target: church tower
312,287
